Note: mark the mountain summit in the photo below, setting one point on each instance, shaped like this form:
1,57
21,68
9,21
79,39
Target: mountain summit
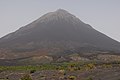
60,14
57,32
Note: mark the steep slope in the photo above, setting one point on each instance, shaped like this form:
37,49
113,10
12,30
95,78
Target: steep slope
57,32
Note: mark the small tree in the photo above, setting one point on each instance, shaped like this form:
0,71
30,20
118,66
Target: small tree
32,71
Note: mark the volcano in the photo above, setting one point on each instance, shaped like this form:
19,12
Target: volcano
56,33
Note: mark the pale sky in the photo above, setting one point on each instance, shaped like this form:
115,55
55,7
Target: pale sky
103,15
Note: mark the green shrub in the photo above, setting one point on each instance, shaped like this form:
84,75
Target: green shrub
26,77
89,78
72,77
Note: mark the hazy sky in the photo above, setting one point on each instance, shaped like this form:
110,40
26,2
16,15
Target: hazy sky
103,15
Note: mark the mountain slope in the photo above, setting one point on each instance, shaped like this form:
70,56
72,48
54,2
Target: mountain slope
57,32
